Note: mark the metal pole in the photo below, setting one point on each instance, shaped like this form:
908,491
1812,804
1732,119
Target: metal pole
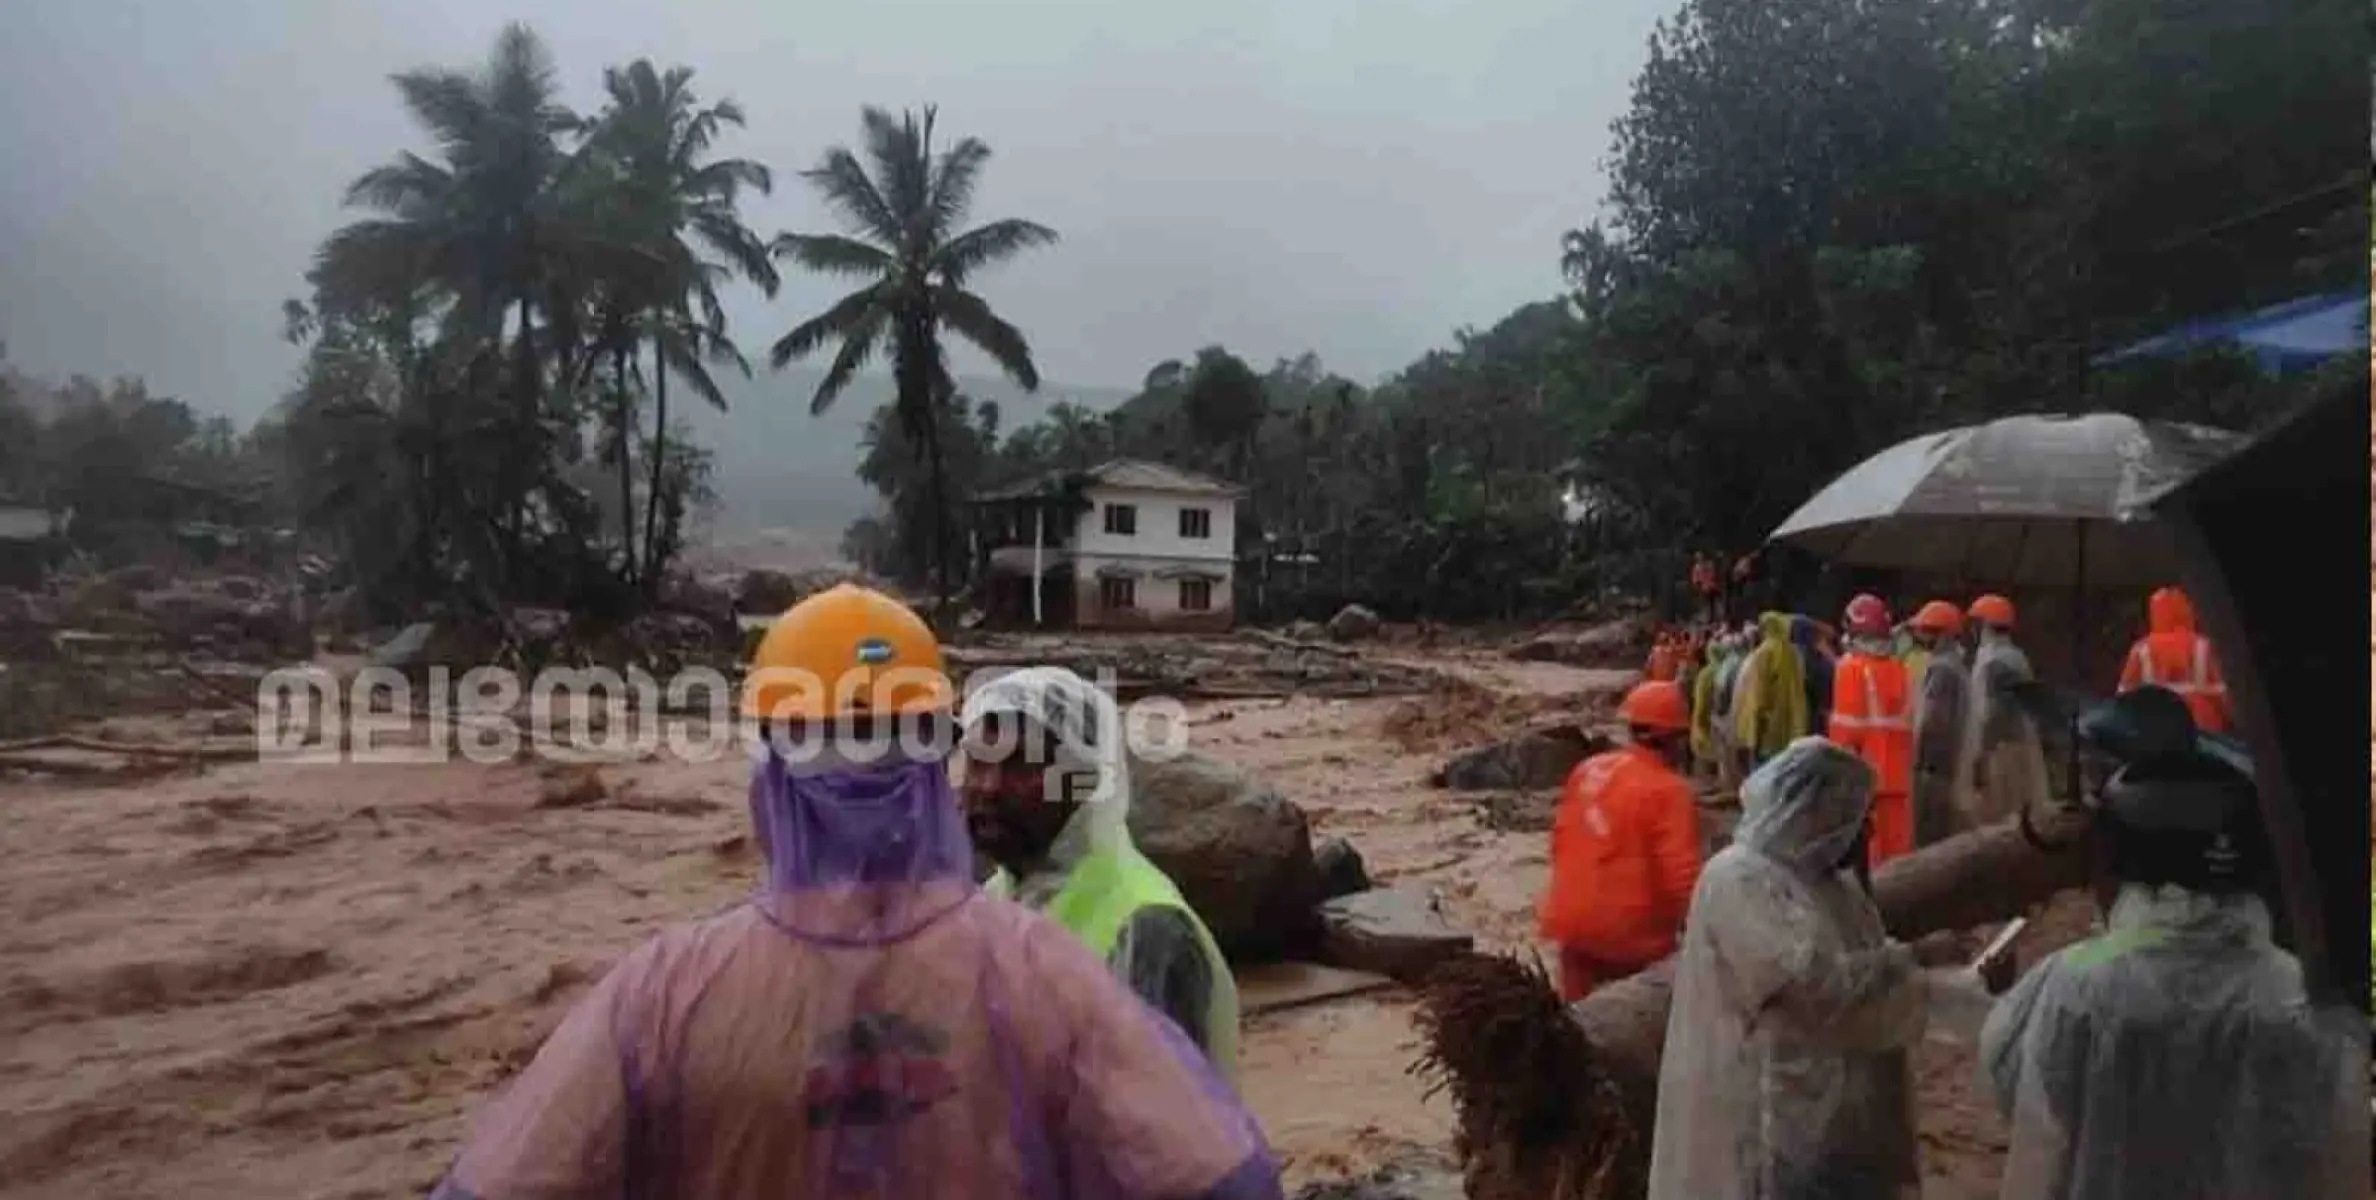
1039,535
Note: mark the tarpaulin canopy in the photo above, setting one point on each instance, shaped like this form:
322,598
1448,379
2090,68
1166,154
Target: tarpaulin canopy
2293,336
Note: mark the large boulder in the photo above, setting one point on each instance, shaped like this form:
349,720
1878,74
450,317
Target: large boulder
1342,872
1538,758
1352,623
1240,852
1621,644
1397,931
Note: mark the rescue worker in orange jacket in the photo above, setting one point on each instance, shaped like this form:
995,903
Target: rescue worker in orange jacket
1666,657
1625,848
2174,656
1873,716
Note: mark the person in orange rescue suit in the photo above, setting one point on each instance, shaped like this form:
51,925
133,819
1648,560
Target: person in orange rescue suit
1625,848
1873,716
2172,655
1666,654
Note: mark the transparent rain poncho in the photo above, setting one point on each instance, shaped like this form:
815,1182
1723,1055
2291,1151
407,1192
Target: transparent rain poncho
867,1024
2002,762
1941,695
1785,1071
1159,953
2174,1057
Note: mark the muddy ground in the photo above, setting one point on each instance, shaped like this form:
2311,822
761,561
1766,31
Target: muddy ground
299,980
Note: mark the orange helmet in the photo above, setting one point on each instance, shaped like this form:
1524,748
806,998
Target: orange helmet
1938,617
847,650
1657,706
1994,610
1867,615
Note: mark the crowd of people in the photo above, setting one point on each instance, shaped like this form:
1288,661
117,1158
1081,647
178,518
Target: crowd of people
2174,1054
876,1021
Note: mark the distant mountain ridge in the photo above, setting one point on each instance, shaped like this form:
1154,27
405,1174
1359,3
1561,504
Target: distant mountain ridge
778,468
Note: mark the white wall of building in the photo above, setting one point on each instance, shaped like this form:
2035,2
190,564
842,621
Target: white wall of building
1158,533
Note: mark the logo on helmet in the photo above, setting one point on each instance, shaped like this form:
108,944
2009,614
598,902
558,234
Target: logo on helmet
874,651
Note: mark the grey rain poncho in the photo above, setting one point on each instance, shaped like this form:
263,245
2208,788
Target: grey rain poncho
1785,1073
2002,768
2175,1057
1941,696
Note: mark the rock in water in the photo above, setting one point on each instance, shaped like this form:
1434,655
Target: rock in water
409,648
1341,870
1395,931
1353,623
1240,852
1538,758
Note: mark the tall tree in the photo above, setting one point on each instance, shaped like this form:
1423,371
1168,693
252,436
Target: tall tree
903,219
680,208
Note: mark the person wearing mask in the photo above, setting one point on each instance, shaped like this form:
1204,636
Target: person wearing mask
2172,655
1941,689
1872,716
1047,797
2175,1055
2001,762
1770,695
1625,849
867,1022
1785,1074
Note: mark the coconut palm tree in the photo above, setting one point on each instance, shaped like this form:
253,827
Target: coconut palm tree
903,220
681,208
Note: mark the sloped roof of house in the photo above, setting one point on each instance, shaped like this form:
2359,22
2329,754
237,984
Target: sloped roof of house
1116,473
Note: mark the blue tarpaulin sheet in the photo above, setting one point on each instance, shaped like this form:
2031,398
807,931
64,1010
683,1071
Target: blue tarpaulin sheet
2292,336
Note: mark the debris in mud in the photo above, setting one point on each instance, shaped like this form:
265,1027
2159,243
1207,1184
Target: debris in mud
1249,664
1538,758
1418,1176
1622,644
571,787
1517,812
1465,714
1394,931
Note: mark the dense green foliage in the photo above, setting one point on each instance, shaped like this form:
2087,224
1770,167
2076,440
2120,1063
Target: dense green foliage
1829,225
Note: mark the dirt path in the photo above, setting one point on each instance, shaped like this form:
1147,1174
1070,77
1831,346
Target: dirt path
300,980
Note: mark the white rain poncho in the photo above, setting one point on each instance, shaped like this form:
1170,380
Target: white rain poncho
2003,762
1161,953
1785,1072
2174,1057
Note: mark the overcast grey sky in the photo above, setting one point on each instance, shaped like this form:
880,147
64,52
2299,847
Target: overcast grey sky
1275,175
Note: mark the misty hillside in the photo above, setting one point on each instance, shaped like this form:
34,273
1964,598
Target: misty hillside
780,468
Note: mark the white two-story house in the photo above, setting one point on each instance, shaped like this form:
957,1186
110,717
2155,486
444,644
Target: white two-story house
1128,544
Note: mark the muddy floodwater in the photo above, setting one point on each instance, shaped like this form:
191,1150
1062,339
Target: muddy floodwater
299,980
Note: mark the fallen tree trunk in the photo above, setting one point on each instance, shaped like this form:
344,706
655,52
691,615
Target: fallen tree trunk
1483,1019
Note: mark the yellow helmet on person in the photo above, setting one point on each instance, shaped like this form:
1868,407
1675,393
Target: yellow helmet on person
847,651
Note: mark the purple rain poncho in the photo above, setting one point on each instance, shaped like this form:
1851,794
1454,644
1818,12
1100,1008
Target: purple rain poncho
868,1024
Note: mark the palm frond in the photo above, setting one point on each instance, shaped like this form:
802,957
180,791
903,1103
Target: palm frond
408,185
969,316
849,192
446,103
862,308
834,254
677,349
952,186
857,350
898,149
986,245
733,241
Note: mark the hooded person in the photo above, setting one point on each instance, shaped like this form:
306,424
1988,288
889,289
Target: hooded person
1941,690
1047,797
1816,661
867,1022
2175,1055
2172,655
1704,747
2001,761
1785,1074
1770,695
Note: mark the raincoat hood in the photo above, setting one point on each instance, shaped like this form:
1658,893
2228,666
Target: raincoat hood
1089,734
2169,611
858,854
1776,627
1806,806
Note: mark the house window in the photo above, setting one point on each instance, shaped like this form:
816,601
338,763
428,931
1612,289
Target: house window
1196,595
1114,593
1196,522
1121,519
